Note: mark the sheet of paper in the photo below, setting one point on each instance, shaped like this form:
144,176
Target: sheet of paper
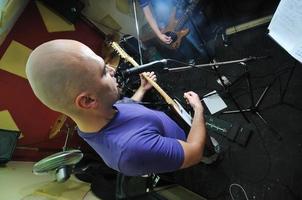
286,27
214,102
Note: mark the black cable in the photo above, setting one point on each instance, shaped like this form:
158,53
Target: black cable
265,150
264,178
31,145
277,73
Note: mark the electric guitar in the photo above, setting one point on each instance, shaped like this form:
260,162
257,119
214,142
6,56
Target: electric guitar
174,28
171,102
212,123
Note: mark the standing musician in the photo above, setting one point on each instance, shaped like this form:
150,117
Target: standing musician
68,77
159,15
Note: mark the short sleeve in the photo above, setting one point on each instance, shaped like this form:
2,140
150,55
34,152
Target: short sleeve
143,3
151,153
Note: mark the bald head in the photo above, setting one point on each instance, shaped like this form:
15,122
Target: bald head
58,71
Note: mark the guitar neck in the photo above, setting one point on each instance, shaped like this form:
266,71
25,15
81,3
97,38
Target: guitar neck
124,55
167,98
185,17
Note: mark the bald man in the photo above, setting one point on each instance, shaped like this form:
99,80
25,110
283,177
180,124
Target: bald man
70,78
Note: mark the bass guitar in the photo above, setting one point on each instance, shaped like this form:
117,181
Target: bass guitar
174,29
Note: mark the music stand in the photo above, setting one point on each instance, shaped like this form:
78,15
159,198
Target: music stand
254,106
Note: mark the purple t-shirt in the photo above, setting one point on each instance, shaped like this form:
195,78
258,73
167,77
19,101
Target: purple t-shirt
139,141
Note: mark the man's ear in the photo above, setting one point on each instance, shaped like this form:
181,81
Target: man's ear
85,101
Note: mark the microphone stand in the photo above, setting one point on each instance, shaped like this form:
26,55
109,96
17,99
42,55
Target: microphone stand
193,66
137,33
214,66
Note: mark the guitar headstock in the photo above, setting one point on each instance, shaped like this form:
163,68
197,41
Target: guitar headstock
122,53
119,50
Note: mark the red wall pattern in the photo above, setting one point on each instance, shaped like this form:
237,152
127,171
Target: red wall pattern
31,116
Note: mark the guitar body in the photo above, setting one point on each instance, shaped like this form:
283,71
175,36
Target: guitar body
179,115
170,30
186,117
179,35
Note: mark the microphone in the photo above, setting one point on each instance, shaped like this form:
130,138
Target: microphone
155,65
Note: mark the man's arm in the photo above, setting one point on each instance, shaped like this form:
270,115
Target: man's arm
144,87
194,146
151,21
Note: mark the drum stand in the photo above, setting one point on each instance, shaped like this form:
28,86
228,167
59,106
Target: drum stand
63,163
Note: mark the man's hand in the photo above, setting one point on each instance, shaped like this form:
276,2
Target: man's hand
164,38
193,99
195,144
153,24
144,87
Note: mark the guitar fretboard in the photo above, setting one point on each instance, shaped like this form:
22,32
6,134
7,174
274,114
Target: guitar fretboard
124,55
186,15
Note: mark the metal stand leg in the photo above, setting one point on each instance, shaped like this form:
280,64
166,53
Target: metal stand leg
226,88
254,107
286,88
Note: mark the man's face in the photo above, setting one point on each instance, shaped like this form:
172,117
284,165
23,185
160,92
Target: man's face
106,84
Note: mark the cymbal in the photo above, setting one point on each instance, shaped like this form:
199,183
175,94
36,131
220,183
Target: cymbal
57,160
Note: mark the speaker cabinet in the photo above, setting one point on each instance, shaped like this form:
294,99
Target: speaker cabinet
8,141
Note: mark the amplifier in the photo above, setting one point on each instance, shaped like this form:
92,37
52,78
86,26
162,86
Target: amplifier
8,141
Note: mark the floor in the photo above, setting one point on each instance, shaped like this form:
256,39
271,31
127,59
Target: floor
18,182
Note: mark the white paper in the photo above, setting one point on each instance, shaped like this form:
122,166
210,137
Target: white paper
286,27
214,102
